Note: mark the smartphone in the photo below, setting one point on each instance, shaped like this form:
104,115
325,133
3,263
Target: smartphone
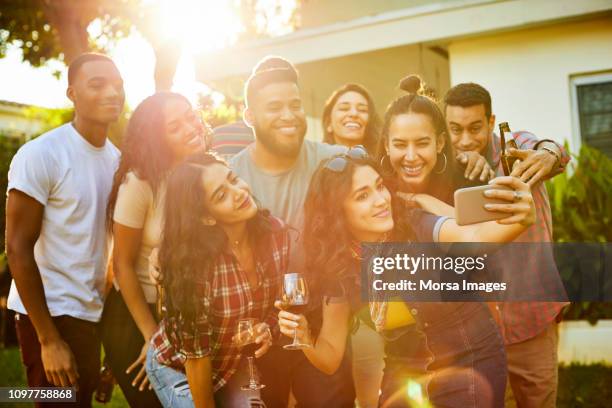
470,201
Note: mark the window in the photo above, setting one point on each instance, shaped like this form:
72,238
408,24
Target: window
592,98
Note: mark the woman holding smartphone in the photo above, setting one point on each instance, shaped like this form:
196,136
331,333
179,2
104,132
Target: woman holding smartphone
456,346
222,260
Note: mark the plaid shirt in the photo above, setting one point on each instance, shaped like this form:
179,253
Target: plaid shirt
223,300
525,320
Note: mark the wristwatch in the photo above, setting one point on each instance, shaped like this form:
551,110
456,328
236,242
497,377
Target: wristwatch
551,151
540,146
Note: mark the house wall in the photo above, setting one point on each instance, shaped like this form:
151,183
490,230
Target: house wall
529,72
16,123
379,71
316,13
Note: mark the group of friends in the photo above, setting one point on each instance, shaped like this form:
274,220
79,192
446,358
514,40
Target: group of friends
199,243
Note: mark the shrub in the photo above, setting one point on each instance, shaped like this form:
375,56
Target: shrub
581,205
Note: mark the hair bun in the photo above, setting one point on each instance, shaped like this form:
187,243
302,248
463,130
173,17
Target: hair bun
410,84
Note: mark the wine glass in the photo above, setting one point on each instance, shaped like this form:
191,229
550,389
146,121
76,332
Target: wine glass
245,339
295,300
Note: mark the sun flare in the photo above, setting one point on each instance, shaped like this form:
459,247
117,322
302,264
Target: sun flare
197,25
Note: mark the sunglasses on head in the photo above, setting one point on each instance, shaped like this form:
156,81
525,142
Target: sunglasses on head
338,163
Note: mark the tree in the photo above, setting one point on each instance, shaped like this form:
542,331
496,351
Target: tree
57,29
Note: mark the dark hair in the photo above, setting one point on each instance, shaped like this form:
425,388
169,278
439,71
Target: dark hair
78,62
269,70
372,130
144,149
468,94
442,182
327,240
189,247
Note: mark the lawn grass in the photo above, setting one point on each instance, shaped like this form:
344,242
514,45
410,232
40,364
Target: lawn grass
587,386
13,375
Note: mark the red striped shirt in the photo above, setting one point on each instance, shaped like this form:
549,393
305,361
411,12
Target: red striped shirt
223,300
525,320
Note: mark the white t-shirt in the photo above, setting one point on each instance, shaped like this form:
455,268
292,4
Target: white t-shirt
72,179
137,207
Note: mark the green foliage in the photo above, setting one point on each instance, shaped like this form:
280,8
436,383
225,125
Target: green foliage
13,375
8,148
581,205
57,29
217,114
24,21
52,118
586,386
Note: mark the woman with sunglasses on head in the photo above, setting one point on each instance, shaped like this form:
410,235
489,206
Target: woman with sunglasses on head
456,344
350,118
222,259
162,131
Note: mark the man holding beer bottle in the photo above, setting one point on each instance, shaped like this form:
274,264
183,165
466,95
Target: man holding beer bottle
529,328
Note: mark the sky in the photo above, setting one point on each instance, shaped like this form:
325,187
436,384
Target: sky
198,25
20,82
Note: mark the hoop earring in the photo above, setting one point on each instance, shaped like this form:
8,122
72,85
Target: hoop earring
445,163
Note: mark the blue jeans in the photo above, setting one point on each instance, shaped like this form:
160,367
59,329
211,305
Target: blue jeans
170,385
453,358
173,391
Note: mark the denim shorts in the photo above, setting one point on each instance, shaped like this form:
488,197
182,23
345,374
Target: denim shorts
173,391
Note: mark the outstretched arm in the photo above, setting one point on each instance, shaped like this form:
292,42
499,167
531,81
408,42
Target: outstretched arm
521,215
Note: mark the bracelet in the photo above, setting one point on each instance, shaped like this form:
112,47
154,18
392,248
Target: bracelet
551,151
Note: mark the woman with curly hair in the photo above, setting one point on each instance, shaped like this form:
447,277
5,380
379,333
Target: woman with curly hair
162,131
348,203
222,259
350,119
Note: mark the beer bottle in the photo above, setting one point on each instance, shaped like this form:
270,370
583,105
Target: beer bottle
104,392
507,161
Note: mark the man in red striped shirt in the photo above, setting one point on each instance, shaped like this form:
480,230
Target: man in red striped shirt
529,328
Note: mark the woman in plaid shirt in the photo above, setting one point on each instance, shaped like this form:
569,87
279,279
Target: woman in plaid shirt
222,259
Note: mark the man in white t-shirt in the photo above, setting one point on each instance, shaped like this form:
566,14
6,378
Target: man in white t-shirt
278,167
57,243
